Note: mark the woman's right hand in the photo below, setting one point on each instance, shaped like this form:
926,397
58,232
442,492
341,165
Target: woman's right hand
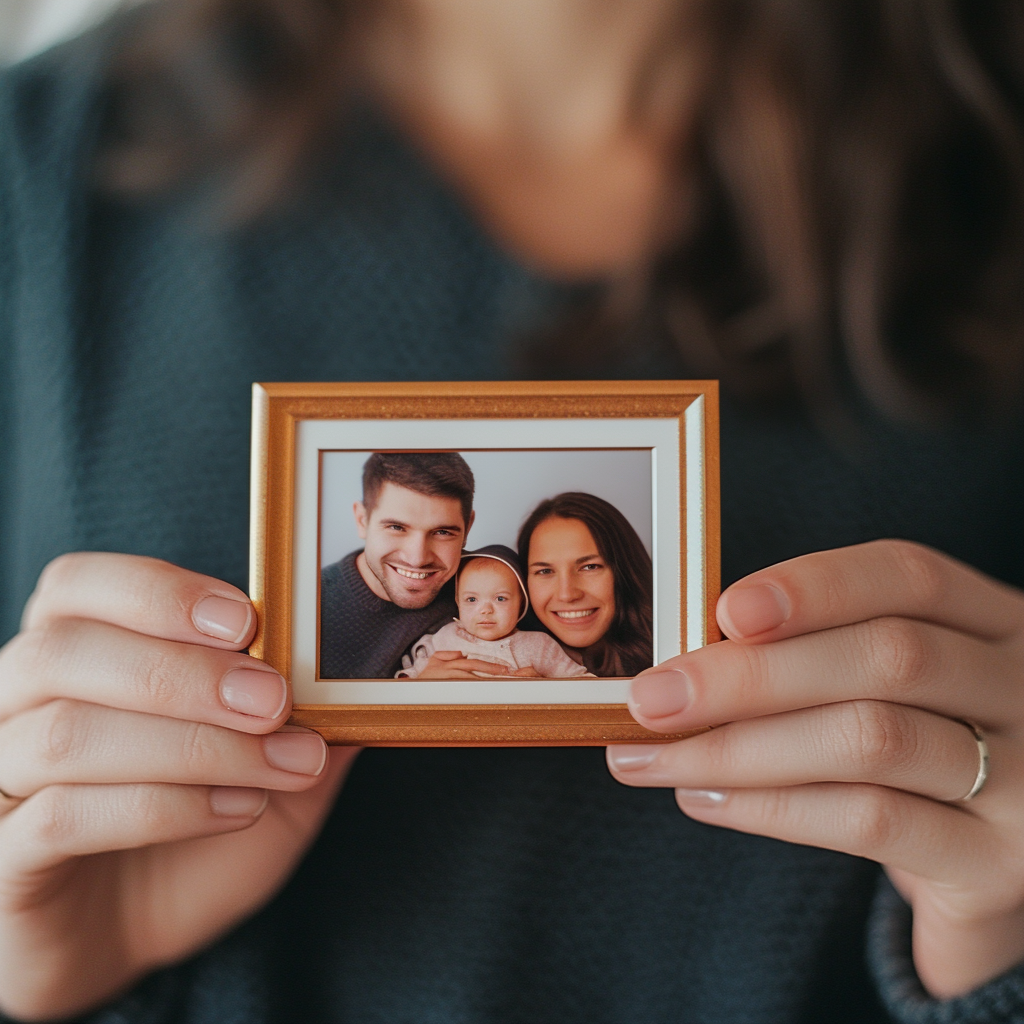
150,800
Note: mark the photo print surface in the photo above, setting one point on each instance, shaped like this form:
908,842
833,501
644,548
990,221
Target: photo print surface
485,564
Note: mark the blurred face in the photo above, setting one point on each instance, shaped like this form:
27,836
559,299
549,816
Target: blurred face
413,543
572,588
489,598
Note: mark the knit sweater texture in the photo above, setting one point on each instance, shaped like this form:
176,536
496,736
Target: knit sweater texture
447,885
362,636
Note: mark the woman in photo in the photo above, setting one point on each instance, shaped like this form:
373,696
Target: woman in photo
590,581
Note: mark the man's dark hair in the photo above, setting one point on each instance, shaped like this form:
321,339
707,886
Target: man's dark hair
437,474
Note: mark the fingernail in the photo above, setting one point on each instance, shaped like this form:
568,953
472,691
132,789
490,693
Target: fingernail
701,797
235,802
660,694
261,693
632,758
304,753
752,610
223,618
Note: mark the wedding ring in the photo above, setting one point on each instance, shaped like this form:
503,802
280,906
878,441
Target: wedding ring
982,776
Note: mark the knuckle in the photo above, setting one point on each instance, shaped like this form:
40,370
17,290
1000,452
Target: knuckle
146,806
746,667
720,753
871,821
156,677
777,810
37,653
198,746
901,654
833,592
882,737
55,820
61,736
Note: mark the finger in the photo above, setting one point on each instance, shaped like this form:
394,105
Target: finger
940,842
69,742
104,664
145,595
62,822
856,741
902,661
846,585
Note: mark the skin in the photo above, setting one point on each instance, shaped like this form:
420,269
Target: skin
413,543
150,815
842,685
572,588
489,598
135,782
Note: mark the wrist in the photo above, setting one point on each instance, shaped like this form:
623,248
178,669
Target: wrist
953,957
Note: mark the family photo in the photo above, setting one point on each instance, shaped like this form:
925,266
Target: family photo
560,588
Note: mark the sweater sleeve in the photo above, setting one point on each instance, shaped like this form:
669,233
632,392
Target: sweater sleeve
419,654
1000,1001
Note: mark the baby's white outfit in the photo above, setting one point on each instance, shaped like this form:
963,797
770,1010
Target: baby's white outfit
517,650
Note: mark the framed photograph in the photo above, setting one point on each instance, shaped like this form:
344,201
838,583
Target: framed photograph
478,564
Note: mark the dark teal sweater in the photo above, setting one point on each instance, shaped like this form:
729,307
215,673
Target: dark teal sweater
448,886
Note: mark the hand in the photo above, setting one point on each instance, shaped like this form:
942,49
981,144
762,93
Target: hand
452,665
845,682
155,802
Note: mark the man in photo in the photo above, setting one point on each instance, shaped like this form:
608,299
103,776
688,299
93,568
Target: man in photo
416,511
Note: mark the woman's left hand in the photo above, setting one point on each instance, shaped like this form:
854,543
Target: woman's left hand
846,681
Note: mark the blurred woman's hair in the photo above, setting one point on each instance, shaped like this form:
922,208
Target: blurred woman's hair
628,646
855,177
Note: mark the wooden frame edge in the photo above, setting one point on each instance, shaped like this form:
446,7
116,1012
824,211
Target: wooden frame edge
276,409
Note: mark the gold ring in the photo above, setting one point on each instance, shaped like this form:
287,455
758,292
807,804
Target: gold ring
983,762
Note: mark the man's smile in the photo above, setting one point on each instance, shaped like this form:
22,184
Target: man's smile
411,574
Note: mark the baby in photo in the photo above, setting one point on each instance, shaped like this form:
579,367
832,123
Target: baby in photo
491,598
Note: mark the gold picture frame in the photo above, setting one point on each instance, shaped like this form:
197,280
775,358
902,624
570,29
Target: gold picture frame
294,424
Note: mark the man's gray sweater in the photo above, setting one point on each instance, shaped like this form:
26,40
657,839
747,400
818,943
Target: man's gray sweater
362,636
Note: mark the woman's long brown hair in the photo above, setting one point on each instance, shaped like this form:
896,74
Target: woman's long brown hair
855,179
628,646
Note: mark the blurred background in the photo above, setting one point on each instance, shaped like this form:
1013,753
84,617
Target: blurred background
29,26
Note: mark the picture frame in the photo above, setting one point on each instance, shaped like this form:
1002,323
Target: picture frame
521,437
